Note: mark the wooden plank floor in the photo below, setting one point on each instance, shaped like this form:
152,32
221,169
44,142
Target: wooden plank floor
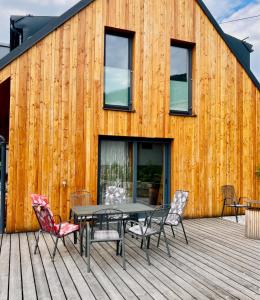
218,263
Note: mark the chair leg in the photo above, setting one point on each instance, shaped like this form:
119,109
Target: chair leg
146,250
37,241
55,248
159,237
75,237
148,242
118,248
172,231
222,211
166,243
123,252
88,251
63,239
236,212
184,232
81,232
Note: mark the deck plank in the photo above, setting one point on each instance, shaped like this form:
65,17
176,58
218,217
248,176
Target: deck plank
220,256
116,264
15,279
93,283
207,268
4,265
65,277
52,277
184,277
77,278
29,291
41,283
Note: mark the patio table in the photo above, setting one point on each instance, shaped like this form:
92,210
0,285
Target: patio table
81,212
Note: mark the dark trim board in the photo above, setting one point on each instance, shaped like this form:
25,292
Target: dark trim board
81,5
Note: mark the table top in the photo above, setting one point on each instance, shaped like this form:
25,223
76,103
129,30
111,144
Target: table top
253,201
127,208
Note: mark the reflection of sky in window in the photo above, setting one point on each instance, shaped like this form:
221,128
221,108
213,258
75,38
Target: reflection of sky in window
117,74
179,61
117,51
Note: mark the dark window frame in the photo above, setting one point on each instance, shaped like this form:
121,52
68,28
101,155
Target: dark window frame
189,46
130,35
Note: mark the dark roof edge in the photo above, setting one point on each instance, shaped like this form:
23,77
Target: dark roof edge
81,5
222,34
42,33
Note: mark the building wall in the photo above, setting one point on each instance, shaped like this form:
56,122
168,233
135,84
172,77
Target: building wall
57,97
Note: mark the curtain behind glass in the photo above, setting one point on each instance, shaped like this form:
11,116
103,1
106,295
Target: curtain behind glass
116,166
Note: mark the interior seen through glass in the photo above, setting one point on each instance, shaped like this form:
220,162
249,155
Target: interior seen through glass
118,165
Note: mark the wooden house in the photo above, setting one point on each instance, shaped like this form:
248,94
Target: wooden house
151,95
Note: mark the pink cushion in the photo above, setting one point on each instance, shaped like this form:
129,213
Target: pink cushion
66,228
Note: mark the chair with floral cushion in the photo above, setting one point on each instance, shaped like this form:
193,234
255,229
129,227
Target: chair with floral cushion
153,225
46,221
176,212
116,195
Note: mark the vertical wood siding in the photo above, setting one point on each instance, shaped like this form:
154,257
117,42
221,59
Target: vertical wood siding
56,110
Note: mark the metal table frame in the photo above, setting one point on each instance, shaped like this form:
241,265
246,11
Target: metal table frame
81,212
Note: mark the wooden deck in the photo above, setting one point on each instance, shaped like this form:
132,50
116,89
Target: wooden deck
218,263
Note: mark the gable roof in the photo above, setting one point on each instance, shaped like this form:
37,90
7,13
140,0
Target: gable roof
55,23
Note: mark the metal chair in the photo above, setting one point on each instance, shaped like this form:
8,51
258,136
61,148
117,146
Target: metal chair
96,233
176,212
47,224
231,200
80,198
153,225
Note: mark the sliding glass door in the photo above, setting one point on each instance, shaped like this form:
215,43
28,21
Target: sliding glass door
150,173
141,167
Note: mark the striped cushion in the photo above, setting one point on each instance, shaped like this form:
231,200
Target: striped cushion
106,235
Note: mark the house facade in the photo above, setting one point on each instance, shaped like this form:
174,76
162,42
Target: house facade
146,94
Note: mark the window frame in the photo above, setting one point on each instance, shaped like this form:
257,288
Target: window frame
130,35
189,46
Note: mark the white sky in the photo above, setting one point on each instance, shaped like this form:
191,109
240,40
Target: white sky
223,10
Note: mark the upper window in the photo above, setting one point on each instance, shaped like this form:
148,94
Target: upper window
118,70
180,79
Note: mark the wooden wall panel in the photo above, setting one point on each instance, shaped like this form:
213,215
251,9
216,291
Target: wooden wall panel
56,112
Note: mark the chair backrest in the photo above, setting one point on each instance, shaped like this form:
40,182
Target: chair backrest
178,205
179,202
43,213
157,219
115,195
80,198
104,217
229,194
